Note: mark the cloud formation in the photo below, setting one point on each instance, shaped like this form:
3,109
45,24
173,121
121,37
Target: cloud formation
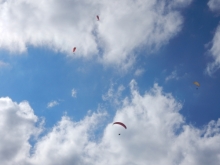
215,53
17,127
4,64
214,5
173,75
139,72
113,95
157,134
212,67
52,104
73,93
124,27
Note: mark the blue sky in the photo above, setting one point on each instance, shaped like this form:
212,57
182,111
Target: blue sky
137,65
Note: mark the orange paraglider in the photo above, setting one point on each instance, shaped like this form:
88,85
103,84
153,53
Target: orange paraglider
197,84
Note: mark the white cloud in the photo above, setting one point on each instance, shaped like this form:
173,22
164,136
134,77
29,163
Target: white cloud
156,134
176,74
212,67
3,64
17,126
113,95
214,5
67,142
123,27
215,53
173,75
139,72
52,104
73,93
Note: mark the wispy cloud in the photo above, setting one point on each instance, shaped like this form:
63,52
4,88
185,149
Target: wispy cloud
113,95
73,93
214,5
173,75
52,104
139,72
4,64
212,67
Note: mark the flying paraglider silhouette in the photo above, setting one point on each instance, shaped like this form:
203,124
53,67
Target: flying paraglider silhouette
74,49
197,84
120,123
97,18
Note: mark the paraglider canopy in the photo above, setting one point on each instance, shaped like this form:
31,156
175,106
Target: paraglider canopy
120,123
97,18
74,49
196,83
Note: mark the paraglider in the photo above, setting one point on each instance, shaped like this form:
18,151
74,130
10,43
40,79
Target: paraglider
97,18
120,123
197,84
74,49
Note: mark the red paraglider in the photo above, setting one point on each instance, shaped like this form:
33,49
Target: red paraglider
74,49
97,18
120,123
